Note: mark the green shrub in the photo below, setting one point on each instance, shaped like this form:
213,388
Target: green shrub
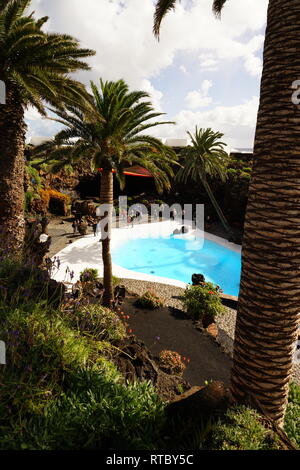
231,172
33,174
28,199
59,391
20,283
294,393
203,299
93,413
116,281
292,414
88,275
245,175
44,340
97,321
149,300
241,429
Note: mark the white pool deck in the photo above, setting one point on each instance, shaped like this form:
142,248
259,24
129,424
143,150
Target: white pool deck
86,252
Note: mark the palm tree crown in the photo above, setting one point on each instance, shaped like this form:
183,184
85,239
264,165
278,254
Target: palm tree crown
34,63
112,134
205,156
164,6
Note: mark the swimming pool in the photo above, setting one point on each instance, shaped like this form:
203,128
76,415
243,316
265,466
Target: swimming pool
179,258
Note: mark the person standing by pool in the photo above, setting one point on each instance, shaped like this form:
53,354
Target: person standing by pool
95,226
74,226
173,214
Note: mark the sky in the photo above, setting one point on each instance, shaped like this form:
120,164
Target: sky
204,71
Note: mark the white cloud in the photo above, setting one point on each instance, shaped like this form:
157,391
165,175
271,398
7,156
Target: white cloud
121,34
155,95
32,114
208,62
199,98
253,65
183,69
237,123
38,125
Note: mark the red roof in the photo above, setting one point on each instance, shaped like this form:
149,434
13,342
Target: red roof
135,171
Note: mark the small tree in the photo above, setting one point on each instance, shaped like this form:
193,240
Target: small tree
112,135
205,157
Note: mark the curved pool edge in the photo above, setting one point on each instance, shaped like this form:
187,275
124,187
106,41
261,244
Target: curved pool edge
89,246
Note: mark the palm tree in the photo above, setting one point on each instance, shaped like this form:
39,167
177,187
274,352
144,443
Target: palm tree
268,310
112,136
4,3
34,66
206,156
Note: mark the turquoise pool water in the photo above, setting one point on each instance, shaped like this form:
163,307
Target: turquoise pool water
178,258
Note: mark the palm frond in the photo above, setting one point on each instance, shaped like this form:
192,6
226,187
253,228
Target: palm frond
161,9
38,63
218,6
164,6
111,133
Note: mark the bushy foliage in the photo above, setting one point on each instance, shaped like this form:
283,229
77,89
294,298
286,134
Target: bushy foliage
292,415
59,390
149,300
241,429
115,280
203,299
98,321
21,282
94,412
34,175
88,275
55,198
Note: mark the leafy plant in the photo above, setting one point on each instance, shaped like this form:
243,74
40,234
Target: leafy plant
203,299
20,283
241,429
98,322
61,392
292,414
89,275
149,300
115,281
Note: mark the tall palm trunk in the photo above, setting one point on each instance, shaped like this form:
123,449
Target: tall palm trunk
269,301
217,207
106,197
12,135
